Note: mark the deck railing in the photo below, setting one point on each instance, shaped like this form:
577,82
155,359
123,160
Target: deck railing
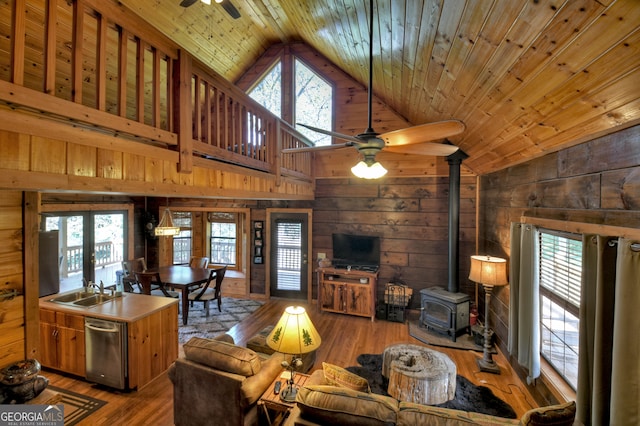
105,255
70,57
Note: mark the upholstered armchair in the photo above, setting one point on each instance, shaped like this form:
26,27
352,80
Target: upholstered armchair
218,382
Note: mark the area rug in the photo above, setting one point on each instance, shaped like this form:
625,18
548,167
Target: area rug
469,397
77,407
199,325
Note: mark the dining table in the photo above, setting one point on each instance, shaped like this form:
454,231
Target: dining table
185,279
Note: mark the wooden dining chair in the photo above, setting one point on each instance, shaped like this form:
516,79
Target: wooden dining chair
206,294
198,262
129,267
147,281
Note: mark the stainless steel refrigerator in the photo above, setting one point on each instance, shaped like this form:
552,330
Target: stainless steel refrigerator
49,264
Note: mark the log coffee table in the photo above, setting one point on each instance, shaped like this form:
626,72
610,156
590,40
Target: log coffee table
419,374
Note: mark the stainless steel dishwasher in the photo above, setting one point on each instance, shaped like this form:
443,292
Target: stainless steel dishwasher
106,352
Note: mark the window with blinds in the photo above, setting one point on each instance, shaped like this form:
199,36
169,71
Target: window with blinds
223,242
182,241
560,272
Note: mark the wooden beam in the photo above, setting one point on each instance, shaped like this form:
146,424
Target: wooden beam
184,113
140,49
123,40
101,64
50,47
76,60
18,42
31,218
50,104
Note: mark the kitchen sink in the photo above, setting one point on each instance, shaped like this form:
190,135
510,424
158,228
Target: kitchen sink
95,299
71,297
82,298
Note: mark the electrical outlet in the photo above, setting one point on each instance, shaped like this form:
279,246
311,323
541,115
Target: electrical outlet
322,255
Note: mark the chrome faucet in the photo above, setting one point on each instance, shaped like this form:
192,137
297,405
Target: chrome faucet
91,285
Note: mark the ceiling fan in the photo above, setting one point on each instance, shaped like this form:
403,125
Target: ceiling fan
412,140
226,5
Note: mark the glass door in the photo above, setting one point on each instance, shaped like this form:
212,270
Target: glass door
289,255
91,246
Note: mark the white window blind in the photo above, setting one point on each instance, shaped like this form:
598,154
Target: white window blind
560,278
561,265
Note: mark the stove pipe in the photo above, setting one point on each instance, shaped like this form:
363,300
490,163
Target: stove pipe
454,161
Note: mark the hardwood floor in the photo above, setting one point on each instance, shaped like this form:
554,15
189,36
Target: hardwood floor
343,339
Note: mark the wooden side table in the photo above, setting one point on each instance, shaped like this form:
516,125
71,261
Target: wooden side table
276,410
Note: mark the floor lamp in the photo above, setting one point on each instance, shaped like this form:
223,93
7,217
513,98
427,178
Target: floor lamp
294,335
490,272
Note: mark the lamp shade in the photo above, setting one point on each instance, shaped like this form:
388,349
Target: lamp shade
294,333
366,171
488,270
166,226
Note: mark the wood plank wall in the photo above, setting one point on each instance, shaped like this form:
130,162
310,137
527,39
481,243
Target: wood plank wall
595,184
12,315
411,217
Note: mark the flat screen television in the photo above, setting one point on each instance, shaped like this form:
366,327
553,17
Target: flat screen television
356,249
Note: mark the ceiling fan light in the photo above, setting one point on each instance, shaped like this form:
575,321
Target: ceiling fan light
364,171
207,1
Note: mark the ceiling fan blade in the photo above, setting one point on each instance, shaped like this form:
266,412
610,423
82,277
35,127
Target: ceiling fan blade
425,148
187,3
423,133
230,8
330,133
317,148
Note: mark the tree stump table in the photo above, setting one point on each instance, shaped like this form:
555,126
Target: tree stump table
418,374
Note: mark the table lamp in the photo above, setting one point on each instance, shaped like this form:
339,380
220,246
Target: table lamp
488,271
295,335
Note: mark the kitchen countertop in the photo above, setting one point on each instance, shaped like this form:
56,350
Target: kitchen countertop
129,308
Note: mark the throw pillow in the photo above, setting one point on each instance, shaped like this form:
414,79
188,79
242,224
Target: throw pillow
222,356
556,415
338,376
331,405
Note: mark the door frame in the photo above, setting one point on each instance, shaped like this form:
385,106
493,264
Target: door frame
309,213
97,207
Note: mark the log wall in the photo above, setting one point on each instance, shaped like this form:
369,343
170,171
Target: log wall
594,186
411,217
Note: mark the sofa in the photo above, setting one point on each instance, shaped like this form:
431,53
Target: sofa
344,400
218,382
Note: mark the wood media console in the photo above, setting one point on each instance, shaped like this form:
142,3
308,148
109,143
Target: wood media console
345,291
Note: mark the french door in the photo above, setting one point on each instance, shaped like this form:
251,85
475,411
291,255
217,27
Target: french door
91,246
289,254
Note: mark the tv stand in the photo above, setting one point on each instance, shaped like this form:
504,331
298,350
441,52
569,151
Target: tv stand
351,292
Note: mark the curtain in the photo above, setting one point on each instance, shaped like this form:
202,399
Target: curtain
609,365
596,330
625,374
524,300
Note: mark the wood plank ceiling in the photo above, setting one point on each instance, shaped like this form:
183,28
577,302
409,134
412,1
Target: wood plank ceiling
527,77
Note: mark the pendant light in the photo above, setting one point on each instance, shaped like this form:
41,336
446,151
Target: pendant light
166,227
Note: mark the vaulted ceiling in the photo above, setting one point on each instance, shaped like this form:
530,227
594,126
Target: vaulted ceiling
527,77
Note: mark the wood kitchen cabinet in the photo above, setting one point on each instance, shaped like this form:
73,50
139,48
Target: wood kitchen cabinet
62,341
152,335
347,292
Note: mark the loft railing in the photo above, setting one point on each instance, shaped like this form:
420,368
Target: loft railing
89,62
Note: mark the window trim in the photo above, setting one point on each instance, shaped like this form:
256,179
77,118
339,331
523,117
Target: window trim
565,304
238,238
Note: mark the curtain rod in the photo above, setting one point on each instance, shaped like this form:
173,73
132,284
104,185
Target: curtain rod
634,246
